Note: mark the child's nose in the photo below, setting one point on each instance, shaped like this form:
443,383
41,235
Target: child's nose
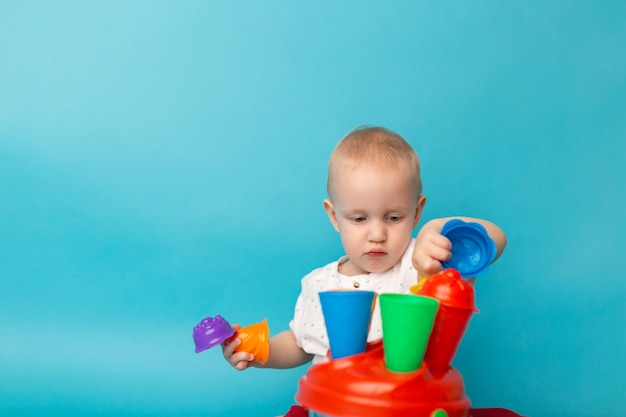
377,232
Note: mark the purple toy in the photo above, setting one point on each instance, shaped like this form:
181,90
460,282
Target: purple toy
210,332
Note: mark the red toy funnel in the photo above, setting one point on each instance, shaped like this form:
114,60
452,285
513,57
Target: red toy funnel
456,297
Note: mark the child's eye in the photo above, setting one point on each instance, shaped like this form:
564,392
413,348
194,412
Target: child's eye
359,219
394,219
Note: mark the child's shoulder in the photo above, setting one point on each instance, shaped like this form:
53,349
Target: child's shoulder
320,277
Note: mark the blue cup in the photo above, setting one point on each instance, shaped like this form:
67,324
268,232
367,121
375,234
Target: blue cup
347,315
472,248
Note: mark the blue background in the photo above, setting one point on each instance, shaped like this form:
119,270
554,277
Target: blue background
165,161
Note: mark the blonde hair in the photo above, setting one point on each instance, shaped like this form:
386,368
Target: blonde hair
375,146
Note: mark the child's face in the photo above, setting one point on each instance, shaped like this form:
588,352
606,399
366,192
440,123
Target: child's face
375,212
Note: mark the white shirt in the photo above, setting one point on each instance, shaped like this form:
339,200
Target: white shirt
308,322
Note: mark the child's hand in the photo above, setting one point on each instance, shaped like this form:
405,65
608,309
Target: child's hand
431,249
238,360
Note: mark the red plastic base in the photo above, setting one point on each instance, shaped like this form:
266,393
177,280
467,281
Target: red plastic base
360,385
298,411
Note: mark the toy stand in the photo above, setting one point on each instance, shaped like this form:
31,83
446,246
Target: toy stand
360,385
363,385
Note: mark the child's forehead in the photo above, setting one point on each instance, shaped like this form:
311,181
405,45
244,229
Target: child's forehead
373,182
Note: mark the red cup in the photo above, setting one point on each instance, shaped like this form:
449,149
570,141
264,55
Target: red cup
448,330
456,297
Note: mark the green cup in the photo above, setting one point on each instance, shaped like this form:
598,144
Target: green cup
407,323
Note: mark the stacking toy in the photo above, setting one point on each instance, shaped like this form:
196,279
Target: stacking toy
212,331
347,316
364,385
407,323
456,297
472,248
254,339
360,385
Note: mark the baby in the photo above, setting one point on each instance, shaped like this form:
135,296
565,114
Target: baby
375,202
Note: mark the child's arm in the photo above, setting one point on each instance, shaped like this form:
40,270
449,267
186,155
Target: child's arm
284,353
432,248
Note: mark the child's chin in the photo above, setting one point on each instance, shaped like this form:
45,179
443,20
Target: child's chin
383,267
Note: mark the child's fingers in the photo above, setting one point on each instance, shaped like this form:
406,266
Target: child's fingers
429,266
441,241
241,360
228,347
438,253
238,360
426,264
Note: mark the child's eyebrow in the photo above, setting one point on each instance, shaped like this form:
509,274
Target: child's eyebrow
353,211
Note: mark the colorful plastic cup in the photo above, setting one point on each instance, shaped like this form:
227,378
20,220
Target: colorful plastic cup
450,325
456,297
472,248
347,315
211,331
255,339
407,323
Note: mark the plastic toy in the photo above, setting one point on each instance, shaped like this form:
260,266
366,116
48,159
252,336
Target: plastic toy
348,315
212,331
456,306
472,248
254,339
362,385
407,324
382,381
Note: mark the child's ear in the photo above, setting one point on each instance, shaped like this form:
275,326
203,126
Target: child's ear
329,207
421,202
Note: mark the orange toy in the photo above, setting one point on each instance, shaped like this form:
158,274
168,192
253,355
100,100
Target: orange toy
255,339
